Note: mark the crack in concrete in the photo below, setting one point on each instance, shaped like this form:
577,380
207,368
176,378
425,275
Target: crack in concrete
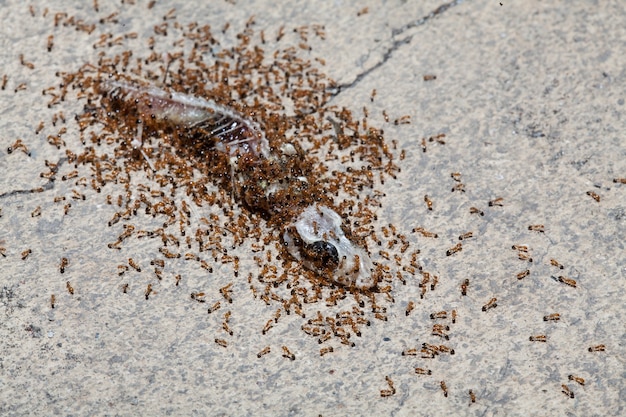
397,43
46,187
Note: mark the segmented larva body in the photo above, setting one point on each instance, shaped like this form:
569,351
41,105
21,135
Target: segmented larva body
236,134
275,182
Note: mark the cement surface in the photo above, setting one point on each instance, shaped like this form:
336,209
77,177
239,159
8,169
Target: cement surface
531,98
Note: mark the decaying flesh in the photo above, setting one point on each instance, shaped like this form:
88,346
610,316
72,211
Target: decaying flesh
276,182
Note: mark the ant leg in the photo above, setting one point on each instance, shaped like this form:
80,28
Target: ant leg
137,143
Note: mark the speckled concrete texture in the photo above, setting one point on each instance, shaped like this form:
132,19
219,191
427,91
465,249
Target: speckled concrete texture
530,97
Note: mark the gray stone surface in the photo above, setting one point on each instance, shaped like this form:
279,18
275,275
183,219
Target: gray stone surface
531,98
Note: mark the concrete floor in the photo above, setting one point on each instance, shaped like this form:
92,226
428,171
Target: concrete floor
530,96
